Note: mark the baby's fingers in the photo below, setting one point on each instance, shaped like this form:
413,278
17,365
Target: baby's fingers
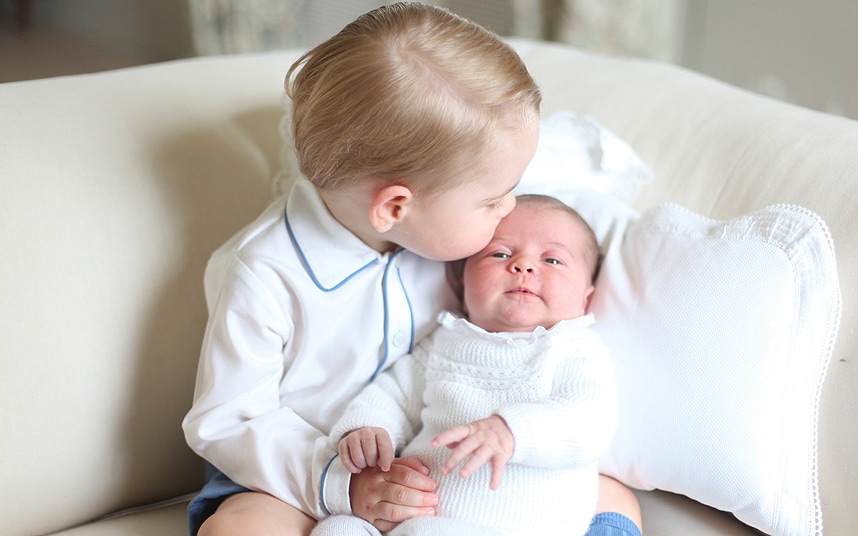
498,466
459,453
351,455
478,457
385,451
451,437
366,447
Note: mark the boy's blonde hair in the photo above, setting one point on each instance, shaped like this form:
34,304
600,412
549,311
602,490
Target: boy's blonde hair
404,92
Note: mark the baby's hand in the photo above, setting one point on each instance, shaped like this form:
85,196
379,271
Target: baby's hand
366,447
488,439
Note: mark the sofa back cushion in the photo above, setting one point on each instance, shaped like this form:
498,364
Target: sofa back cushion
114,190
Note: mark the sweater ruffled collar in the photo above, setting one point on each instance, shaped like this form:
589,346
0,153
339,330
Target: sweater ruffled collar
517,338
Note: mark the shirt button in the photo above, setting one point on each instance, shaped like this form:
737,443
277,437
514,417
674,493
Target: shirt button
399,339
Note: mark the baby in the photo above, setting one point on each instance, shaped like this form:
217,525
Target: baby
521,382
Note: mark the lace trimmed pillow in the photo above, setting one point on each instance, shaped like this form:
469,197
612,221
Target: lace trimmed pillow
721,333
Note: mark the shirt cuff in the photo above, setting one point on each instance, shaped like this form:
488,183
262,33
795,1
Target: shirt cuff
334,492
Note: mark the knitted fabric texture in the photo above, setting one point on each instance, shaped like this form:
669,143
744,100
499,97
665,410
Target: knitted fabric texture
554,388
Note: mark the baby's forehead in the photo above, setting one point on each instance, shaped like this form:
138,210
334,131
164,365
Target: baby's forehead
545,212
548,233
579,236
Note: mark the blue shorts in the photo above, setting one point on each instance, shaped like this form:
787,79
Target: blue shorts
218,488
612,524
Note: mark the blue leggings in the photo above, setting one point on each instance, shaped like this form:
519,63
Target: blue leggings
612,524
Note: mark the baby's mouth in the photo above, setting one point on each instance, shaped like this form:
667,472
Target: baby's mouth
521,290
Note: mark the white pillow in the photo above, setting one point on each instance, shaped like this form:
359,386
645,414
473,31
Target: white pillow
577,152
721,334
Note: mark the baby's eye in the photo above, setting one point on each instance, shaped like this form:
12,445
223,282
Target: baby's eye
500,255
552,261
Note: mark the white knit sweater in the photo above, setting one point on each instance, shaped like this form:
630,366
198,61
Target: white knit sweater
554,388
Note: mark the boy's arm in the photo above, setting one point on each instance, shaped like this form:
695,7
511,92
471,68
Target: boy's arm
576,424
238,421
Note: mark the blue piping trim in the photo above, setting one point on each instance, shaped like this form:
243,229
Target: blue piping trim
387,313
310,269
410,311
322,502
346,280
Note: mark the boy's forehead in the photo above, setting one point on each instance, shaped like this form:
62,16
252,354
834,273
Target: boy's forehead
505,190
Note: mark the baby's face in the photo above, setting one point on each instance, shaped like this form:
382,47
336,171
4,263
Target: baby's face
532,273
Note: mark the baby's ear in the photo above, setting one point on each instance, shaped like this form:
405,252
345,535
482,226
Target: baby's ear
389,205
455,272
588,297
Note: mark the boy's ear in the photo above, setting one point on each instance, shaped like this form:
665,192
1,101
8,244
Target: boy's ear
389,205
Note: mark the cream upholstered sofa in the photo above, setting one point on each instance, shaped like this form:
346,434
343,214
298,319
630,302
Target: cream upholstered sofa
115,188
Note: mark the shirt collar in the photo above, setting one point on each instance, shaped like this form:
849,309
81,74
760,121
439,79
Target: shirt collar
331,253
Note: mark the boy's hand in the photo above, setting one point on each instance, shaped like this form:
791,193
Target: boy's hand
387,498
488,439
366,447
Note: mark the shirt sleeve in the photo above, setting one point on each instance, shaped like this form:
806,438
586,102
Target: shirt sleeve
393,402
238,421
575,425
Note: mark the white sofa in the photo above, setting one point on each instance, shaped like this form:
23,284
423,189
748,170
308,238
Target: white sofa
115,188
